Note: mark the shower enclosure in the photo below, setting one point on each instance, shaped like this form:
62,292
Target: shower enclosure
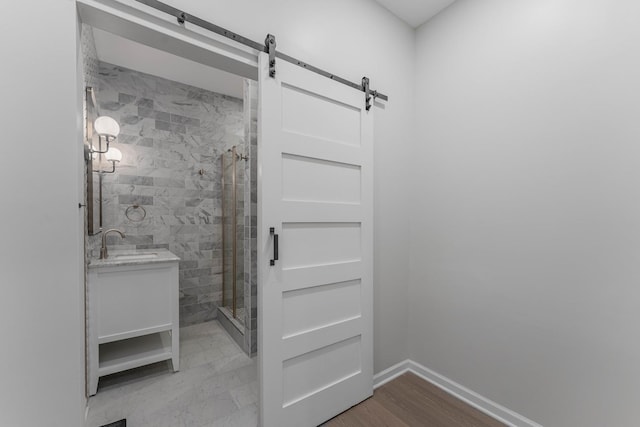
233,235
237,307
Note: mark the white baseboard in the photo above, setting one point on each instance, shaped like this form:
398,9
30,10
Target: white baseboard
391,373
489,407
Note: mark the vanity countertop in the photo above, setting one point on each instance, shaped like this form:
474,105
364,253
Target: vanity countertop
134,257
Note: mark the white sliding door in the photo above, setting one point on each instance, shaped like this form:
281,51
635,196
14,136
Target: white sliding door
315,190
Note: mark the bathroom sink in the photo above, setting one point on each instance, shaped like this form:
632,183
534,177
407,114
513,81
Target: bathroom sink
123,257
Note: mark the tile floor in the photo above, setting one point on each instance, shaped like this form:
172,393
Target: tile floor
217,386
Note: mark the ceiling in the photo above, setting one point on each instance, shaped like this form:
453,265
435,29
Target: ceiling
129,54
415,12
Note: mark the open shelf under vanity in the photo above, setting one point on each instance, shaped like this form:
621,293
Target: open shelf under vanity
121,355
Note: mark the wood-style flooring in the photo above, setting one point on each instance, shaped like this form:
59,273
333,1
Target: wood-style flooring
410,401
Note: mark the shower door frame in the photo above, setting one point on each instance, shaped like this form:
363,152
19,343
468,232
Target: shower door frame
234,228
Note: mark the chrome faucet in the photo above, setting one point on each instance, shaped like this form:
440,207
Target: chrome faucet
104,254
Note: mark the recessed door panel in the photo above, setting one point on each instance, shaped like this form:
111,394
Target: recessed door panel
316,180
313,372
307,309
311,114
309,244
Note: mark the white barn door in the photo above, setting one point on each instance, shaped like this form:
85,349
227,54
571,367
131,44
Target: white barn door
316,300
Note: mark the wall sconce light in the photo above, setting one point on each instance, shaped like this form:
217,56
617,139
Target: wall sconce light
112,155
107,129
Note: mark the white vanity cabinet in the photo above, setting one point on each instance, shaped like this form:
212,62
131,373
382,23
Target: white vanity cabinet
132,312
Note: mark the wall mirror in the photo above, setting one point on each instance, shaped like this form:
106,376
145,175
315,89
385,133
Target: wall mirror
94,216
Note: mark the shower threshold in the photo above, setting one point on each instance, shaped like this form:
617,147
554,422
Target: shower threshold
234,327
234,321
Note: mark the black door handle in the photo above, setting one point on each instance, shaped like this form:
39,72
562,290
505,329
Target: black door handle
272,230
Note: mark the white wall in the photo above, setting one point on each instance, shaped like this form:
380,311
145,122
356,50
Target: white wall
526,239
352,39
41,348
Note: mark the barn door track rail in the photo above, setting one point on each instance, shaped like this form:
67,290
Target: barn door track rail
268,47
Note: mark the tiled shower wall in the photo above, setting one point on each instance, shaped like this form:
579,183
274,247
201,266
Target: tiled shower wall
250,216
172,136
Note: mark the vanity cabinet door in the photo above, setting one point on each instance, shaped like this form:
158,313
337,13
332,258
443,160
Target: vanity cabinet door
134,301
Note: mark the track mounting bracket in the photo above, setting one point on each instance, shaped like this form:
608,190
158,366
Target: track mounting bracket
270,48
368,93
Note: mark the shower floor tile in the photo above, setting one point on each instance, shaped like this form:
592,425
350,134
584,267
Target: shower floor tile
217,386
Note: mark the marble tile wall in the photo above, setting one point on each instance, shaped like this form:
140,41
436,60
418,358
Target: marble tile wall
250,216
172,136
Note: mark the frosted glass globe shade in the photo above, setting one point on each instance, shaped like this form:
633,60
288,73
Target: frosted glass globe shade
106,126
113,154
